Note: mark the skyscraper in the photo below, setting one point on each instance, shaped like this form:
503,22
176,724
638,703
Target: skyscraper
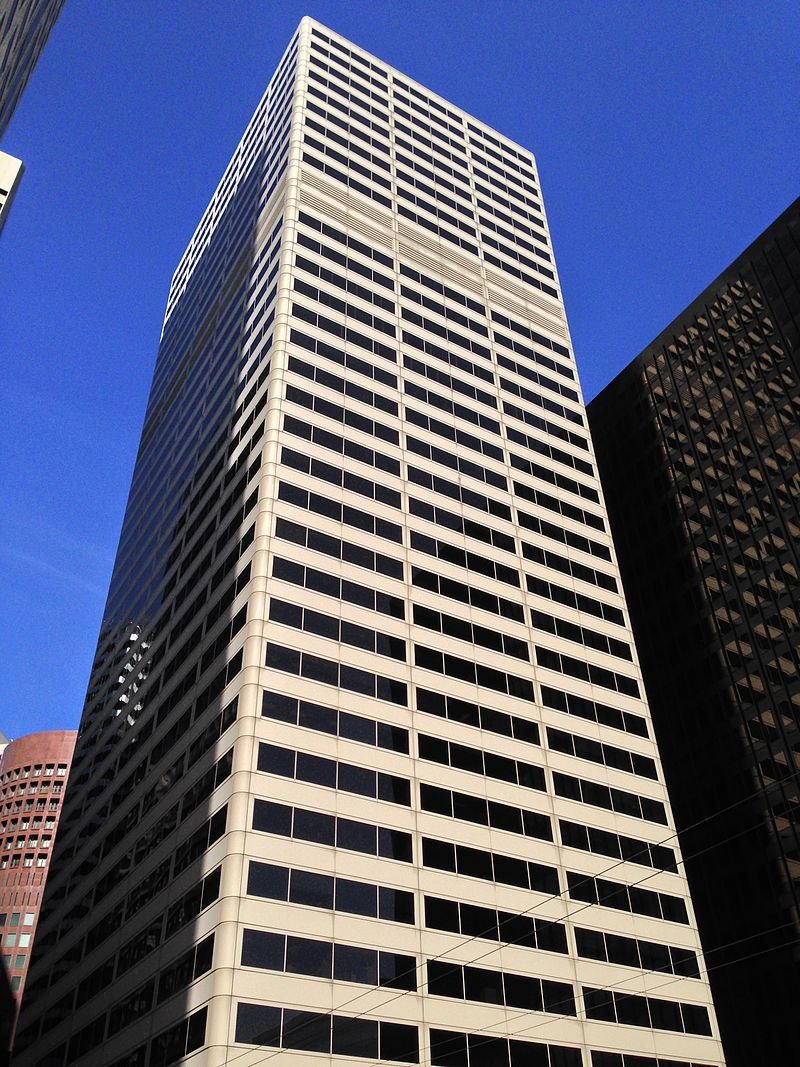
10,173
364,745
698,444
33,773
25,26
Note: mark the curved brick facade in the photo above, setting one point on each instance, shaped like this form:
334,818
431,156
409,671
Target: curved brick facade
33,775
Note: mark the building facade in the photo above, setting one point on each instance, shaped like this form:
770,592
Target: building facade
365,771
25,26
698,445
11,170
33,774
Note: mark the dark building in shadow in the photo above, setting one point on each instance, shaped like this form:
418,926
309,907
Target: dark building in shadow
698,445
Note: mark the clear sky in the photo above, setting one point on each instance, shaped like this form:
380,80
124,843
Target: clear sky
666,135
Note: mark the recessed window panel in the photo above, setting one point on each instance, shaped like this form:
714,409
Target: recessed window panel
591,944
624,950
356,728
445,980
275,760
278,706
357,681
396,971
483,985
441,914
505,817
665,1015
470,809
306,1031
304,956
316,769
522,992
511,871
654,957
327,584
394,738
272,818
449,1049
551,937
474,862
517,930
558,997
266,880
358,780
353,964
357,836
399,1043
561,1056
358,898
257,1024
394,844
394,790
684,962
320,670
488,1051
695,1019
357,594
355,1037
261,949
466,759
395,905
632,1011
599,1004
315,890
440,855
314,826
317,717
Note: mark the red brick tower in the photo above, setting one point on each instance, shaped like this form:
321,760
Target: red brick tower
33,777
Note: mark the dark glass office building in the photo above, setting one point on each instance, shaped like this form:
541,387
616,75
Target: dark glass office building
698,445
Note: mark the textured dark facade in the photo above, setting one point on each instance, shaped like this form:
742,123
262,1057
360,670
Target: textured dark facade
25,26
698,445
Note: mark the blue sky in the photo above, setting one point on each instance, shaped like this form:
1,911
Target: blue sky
666,136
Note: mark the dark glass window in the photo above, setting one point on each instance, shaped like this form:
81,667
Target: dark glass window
304,956
257,1024
358,898
444,980
399,1043
357,836
272,818
260,949
266,880
306,1031
314,826
355,1037
352,964
316,890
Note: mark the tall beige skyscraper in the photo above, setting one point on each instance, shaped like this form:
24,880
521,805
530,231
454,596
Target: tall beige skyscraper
365,771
